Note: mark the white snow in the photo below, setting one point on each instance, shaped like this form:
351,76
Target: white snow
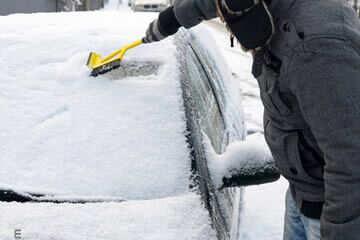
252,153
179,217
67,133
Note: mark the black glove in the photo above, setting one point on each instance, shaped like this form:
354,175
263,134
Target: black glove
164,26
249,21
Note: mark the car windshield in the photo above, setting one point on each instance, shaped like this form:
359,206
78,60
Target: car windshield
63,132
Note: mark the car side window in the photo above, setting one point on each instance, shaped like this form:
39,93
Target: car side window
206,105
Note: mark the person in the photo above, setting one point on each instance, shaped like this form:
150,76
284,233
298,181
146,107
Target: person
306,59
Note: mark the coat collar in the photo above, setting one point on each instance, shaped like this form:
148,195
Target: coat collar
278,8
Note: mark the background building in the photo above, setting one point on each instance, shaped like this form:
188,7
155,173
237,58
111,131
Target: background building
32,6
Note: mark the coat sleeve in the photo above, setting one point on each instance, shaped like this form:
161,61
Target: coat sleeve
327,88
191,12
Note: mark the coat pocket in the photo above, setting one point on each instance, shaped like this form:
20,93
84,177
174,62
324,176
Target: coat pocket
285,148
271,95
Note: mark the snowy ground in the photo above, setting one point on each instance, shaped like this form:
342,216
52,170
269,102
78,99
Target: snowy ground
264,205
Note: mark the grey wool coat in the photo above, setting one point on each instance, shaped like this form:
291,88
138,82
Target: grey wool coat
309,79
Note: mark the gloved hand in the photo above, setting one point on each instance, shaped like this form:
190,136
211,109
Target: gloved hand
249,21
164,26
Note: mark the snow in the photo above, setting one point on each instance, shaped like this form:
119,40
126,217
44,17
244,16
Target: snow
67,133
252,153
179,217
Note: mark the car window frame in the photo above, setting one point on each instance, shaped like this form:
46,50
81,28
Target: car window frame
224,131
200,176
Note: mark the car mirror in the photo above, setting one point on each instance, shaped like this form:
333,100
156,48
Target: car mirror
253,172
255,164
244,163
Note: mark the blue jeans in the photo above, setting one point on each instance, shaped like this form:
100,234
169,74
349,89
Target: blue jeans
297,226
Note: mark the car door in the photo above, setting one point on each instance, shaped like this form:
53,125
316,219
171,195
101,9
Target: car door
205,118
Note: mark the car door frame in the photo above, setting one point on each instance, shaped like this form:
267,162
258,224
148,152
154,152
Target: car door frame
200,172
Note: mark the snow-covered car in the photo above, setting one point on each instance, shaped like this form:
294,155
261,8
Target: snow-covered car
158,153
149,5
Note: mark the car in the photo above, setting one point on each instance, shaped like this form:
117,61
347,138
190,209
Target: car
149,5
125,155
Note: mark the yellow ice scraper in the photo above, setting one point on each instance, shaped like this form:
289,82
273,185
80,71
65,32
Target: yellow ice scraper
103,65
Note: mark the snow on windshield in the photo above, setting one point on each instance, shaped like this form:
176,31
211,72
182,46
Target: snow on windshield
66,133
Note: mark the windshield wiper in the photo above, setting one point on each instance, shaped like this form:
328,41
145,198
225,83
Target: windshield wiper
8,195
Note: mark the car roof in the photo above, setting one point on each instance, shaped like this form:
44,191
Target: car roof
64,132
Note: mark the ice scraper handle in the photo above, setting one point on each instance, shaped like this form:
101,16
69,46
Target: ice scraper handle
121,52
165,25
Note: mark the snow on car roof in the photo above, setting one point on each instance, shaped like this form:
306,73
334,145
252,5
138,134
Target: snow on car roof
64,132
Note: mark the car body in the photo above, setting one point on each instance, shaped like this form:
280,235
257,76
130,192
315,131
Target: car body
87,158
149,5
206,114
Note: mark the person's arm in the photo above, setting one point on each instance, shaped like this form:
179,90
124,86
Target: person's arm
249,21
192,12
186,13
327,87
